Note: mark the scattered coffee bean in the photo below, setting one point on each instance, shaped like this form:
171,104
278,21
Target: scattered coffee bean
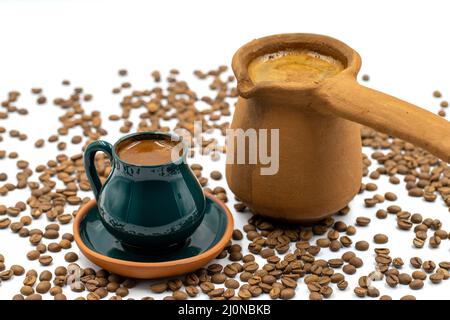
380,238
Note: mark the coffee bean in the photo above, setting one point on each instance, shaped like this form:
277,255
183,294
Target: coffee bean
362,245
6,275
392,280
43,287
435,241
360,292
45,276
416,218
207,287
237,235
4,223
17,270
335,263
218,278
216,175
356,262
288,282
373,292
33,255
416,284
65,244
436,278
232,284
45,260
179,295
437,94
34,296
442,234
214,268
393,209
419,275
244,294
71,257
54,247
380,238
390,196
418,243
404,224
348,255
51,234
428,266
404,278
55,290
362,221
287,294
349,269
30,278
35,238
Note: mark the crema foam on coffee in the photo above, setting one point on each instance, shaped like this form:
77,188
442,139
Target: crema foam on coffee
293,66
146,152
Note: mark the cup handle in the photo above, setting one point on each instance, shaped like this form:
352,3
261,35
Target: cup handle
89,163
348,99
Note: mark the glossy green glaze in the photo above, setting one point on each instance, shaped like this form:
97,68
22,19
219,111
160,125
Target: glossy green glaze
95,236
146,206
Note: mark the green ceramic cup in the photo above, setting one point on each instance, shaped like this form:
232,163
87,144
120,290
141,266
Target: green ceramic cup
155,206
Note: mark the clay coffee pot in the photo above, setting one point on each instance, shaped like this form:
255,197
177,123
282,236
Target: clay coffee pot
320,156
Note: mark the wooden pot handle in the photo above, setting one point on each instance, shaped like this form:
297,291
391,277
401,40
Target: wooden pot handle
350,100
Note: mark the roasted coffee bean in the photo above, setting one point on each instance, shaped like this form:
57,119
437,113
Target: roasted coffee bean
404,278
418,243
349,269
207,287
71,257
392,280
362,221
416,284
356,262
362,245
380,238
234,284
360,292
43,287
45,276
390,196
237,235
218,278
404,224
428,266
45,260
348,255
287,293
419,275
436,278
26,290
416,218
216,175
180,295
435,241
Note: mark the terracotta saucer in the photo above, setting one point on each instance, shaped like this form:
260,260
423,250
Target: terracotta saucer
100,247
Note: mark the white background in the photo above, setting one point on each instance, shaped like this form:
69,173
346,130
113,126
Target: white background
404,46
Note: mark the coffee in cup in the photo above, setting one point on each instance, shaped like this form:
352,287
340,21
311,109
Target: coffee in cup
147,152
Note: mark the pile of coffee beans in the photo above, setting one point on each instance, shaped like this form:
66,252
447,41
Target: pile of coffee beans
264,258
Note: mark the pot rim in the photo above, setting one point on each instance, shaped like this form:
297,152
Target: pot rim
322,44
